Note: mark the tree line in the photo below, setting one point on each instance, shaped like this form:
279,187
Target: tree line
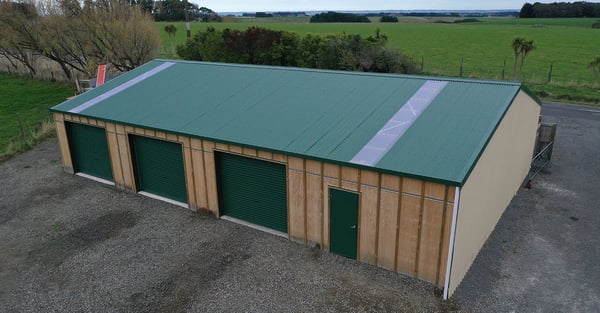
77,36
560,9
334,17
263,46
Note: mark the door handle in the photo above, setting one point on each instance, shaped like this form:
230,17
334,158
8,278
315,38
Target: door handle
353,227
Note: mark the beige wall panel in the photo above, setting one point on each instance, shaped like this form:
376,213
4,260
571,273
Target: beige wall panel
388,213
368,224
429,247
296,204
369,178
279,157
124,156
110,127
331,170
493,182
445,242
412,186
211,179
250,152
189,173
352,186
265,155
208,146
222,146
196,144
408,234
350,174
172,137
61,133
235,149
327,183
390,182
199,174
435,191
115,159
313,167
149,132
161,135
58,117
314,208
295,164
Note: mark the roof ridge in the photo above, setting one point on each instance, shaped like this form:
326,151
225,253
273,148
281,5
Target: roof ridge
354,73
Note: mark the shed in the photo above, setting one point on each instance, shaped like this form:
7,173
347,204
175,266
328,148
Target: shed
408,173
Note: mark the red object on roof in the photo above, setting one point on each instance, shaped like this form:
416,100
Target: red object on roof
101,74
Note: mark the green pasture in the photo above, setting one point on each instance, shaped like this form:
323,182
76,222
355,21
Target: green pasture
483,48
26,100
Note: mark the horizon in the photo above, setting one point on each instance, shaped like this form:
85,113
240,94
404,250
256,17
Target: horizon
354,5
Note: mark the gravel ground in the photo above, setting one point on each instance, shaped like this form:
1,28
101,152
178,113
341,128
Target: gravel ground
544,254
70,244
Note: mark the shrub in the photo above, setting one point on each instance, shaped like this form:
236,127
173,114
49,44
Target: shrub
388,19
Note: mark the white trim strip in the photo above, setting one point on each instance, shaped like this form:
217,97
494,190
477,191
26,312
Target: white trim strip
171,201
451,244
258,227
391,132
118,89
98,179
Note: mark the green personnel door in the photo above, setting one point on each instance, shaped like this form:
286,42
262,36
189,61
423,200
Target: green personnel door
343,222
253,191
89,150
158,167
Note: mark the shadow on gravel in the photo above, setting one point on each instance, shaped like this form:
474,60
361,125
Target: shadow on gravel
175,293
56,250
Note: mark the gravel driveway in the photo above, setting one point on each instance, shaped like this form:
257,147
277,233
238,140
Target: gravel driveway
544,255
69,244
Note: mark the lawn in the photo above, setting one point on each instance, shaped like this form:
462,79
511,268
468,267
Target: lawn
29,101
484,49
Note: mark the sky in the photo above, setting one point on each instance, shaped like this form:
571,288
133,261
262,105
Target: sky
356,5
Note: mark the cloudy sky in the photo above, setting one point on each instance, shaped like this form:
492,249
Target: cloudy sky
316,5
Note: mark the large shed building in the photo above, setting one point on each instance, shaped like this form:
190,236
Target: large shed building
404,172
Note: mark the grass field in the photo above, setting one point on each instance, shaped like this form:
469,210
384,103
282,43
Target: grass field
28,100
483,48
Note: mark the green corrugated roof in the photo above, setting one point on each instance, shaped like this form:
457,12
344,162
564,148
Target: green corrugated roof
324,115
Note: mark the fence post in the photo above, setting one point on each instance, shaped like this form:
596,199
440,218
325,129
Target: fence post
462,60
550,73
503,69
422,62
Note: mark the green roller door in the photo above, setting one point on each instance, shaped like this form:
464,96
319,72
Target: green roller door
343,225
253,190
158,167
89,150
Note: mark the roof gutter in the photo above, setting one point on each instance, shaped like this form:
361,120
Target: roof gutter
451,244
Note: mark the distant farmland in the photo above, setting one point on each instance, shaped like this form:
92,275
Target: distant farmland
568,45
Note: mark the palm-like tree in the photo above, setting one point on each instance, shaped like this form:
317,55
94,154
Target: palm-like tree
521,48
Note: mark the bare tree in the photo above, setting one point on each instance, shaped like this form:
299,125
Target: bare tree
77,37
19,40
